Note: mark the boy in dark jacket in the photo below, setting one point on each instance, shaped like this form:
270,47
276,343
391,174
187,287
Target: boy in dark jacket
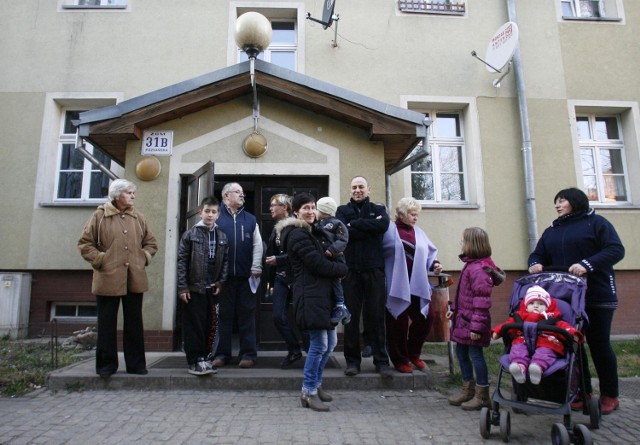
202,268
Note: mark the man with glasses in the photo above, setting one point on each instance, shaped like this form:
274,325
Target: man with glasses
245,261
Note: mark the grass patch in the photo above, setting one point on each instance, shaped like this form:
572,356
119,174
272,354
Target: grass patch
24,365
627,352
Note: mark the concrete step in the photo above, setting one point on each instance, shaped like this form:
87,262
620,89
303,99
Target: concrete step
168,371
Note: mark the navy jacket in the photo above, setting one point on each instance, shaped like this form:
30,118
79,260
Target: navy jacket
367,223
239,229
587,239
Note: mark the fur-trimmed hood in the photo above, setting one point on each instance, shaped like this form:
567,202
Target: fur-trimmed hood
290,221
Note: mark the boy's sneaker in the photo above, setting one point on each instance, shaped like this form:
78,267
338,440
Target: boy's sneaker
535,373
517,371
202,367
340,314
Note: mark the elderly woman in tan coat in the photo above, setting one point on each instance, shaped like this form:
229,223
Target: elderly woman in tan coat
118,243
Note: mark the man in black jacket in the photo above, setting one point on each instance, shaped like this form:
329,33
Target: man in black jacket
364,286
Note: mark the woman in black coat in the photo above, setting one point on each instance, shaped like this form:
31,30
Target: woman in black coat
588,246
312,302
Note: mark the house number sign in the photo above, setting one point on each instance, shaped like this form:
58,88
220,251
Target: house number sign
157,143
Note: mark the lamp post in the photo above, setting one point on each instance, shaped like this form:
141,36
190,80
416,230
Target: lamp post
253,35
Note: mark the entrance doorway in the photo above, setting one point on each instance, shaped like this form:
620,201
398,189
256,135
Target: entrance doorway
258,192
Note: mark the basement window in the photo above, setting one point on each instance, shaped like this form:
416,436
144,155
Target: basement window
67,311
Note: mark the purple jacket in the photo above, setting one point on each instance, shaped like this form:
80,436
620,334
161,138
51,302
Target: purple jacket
473,301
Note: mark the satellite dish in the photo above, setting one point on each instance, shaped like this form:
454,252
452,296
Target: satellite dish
501,47
327,13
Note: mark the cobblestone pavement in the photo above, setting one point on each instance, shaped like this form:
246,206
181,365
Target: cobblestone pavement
272,417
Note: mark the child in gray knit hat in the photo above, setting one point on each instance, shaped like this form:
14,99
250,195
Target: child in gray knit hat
333,236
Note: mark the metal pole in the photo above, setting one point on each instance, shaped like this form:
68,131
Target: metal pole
527,156
95,162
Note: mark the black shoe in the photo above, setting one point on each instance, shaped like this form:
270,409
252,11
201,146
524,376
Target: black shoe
105,375
290,359
351,371
385,371
139,372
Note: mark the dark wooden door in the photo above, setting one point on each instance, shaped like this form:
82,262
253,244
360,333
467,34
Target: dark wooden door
194,188
258,192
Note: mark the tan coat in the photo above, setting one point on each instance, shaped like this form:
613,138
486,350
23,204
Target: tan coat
119,246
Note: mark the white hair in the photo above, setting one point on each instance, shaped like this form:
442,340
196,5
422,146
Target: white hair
119,186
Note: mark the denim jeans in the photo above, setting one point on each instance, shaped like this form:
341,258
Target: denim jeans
321,344
471,358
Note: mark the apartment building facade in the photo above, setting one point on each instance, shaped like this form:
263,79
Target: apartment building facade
334,103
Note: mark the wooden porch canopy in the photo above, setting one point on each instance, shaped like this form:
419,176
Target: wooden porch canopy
110,128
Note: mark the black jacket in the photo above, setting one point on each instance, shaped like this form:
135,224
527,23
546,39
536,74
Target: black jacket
193,252
274,248
313,274
367,223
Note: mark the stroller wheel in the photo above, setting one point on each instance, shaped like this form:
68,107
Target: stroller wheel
593,407
582,435
505,426
559,434
485,422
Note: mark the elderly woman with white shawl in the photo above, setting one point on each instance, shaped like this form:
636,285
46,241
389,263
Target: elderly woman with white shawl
409,257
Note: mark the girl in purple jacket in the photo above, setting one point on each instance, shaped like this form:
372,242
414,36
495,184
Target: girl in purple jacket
471,320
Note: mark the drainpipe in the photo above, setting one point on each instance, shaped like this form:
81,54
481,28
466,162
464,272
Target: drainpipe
527,157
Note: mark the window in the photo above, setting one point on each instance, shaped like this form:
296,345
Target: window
440,176
590,9
77,178
432,6
282,50
287,39
88,4
602,158
74,311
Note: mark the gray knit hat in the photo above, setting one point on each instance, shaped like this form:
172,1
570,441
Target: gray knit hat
327,206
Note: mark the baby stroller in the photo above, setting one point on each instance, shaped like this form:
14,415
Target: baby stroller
561,383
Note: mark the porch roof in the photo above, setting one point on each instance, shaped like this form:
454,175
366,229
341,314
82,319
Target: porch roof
110,128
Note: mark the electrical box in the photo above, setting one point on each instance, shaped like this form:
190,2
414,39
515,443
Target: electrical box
15,299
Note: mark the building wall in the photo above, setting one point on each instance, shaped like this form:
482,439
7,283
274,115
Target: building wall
53,55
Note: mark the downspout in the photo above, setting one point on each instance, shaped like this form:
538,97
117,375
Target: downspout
527,157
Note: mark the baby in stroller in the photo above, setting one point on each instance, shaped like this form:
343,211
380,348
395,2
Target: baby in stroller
539,307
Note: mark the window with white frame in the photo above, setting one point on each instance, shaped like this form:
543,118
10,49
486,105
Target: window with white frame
120,4
589,9
440,177
78,179
448,7
602,158
283,47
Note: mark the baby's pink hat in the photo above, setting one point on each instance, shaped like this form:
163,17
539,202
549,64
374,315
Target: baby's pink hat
537,293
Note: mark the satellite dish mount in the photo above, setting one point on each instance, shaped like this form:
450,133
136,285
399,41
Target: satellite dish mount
500,51
328,17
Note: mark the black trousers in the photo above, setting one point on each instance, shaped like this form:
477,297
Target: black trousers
198,325
365,293
132,336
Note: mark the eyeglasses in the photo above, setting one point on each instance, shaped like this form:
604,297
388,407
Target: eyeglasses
277,204
239,192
